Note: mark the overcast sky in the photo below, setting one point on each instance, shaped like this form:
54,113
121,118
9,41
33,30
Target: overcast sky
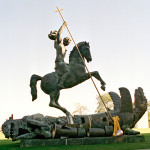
119,36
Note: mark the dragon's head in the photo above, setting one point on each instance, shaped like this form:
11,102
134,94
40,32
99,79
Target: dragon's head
10,128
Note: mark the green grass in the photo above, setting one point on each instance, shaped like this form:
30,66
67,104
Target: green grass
6,144
142,130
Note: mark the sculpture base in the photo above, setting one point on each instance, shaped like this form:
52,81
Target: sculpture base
81,141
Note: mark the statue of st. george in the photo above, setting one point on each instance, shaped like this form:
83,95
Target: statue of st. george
60,45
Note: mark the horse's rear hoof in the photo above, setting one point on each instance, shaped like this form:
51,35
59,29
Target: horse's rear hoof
70,119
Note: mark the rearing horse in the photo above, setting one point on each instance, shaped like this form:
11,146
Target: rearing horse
49,83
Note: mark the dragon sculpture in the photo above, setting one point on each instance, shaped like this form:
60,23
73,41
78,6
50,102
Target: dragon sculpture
39,126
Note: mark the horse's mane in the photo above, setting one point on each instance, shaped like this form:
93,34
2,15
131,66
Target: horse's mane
74,51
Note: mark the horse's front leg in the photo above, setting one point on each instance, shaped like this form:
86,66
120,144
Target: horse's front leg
98,77
85,76
82,77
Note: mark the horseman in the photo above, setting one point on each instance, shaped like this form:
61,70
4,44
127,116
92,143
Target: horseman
60,45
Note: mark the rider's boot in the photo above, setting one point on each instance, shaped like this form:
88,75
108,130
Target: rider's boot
62,80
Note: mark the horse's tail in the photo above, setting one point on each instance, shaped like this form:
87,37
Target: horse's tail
33,81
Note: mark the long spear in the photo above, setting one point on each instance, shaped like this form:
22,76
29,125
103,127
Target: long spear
58,10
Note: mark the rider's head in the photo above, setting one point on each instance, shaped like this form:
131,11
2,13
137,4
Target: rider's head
53,35
66,41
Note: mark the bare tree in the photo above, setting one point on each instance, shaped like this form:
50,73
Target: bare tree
80,110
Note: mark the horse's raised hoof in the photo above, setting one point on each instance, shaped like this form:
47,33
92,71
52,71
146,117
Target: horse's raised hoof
103,87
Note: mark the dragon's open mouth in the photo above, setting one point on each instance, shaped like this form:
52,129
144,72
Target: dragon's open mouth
12,130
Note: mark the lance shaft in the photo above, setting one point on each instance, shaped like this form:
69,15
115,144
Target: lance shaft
84,63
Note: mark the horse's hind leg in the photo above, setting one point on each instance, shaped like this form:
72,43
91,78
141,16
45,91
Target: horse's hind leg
54,96
98,77
57,98
54,101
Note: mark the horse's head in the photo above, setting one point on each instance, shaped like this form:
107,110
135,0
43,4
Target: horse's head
85,51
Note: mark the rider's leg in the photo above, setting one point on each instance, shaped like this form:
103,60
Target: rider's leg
66,73
62,80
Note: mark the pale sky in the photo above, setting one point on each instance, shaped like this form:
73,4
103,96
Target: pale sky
119,36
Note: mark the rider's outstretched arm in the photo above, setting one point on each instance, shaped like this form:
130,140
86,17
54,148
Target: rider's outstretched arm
59,33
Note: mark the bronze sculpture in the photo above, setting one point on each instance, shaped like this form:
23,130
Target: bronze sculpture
50,82
67,76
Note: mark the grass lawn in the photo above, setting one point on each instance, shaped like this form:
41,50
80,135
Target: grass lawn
6,144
